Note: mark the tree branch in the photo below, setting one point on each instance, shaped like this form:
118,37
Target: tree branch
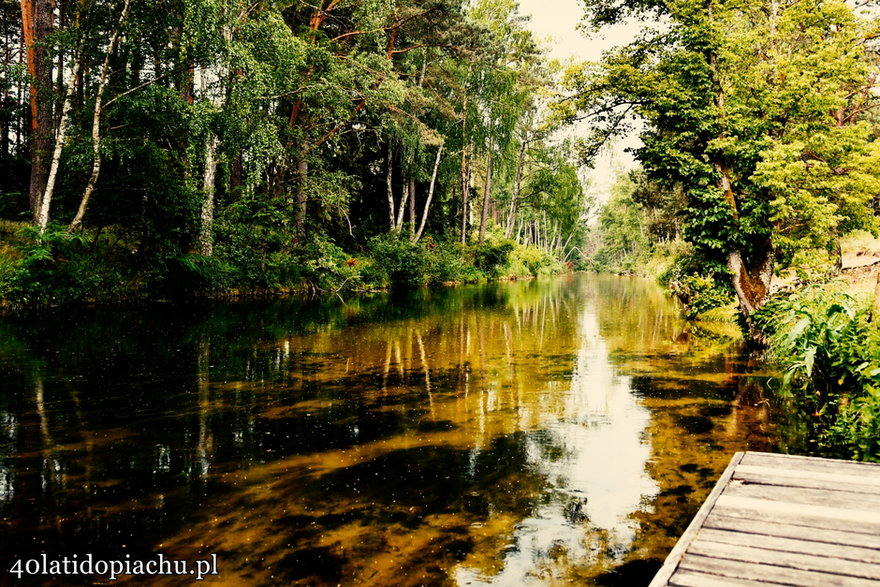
408,49
327,136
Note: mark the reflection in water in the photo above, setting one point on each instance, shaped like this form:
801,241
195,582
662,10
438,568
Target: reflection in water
597,475
562,430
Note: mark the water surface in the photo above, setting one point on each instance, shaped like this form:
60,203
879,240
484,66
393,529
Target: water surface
527,433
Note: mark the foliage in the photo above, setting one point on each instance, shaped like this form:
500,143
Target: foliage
328,268
527,261
192,273
242,146
401,262
251,237
623,242
755,111
492,254
450,262
55,267
829,347
699,294
637,231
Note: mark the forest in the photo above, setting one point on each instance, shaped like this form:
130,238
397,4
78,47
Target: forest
180,148
168,148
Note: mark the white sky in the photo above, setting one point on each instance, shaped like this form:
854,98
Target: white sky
560,23
557,27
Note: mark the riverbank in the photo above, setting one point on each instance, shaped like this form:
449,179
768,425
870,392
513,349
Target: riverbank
825,340
102,266
821,334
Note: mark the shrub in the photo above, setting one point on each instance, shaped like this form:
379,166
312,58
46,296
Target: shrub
530,260
251,238
830,352
193,273
446,263
400,261
490,256
51,268
698,292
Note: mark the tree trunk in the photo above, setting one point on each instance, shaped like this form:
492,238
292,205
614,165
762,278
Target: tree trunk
302,196
517,189
404,196
60,136
464,196
412,207
236,169
751,280
750,276
6,105
37,25
430,195
211,81
389,176
487,189
96,125
464,171
206,226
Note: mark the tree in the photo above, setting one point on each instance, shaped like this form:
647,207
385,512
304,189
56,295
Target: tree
756,109
38,24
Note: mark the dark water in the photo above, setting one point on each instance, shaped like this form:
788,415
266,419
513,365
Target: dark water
527,433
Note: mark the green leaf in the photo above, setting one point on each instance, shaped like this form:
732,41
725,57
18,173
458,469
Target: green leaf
797,330
809,359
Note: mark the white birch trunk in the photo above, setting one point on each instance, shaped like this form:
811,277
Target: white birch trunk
430,195
389,186
60,136
404,196
96,125
209,85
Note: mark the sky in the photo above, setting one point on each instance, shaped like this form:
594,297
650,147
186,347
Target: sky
557,27
560,23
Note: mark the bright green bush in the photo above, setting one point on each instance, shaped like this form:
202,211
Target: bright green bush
534,261
251,238
491,255
698,292
326,267
400,261
447,262
54,267
829,348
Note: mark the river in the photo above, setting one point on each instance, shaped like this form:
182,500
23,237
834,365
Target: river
531,433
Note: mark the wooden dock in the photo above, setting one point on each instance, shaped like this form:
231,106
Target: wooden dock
783,520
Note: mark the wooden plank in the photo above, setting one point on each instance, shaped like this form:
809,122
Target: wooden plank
781,559
813,464
848,552
760,525
768,573
672,561
687,578
843,500
818,517
783,520
816,480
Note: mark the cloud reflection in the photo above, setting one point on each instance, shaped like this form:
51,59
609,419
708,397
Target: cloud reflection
598,478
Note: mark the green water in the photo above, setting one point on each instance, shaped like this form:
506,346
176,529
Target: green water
527,433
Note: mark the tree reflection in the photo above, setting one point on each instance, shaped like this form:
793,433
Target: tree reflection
483,432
